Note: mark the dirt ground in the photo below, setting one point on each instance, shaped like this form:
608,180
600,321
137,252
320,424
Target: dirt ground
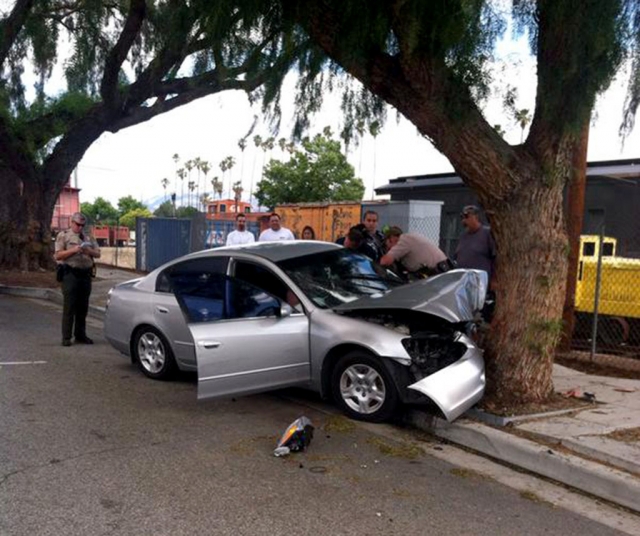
47,279
44,279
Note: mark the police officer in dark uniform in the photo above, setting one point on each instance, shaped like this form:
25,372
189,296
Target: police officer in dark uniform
76,252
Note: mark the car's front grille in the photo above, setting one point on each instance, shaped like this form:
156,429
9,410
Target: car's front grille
431,352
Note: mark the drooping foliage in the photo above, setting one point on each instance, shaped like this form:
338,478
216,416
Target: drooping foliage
72,70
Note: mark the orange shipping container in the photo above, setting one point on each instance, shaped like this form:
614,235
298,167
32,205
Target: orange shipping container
330,221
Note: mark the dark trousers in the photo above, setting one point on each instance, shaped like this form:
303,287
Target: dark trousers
76,289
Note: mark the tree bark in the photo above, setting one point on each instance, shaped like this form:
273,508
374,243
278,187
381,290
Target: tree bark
25,221
531,269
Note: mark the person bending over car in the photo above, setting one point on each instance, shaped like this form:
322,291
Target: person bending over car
418,257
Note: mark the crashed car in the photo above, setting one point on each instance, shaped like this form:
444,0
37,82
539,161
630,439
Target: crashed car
269,315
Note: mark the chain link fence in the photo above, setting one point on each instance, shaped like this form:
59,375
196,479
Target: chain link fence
607,302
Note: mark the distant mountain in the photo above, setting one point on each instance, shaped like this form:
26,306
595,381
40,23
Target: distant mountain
154,202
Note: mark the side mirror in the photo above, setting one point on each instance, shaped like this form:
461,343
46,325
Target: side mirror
285,310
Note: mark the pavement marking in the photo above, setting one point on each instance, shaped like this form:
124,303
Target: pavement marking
2,364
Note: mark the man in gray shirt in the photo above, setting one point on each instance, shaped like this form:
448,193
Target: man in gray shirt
476,248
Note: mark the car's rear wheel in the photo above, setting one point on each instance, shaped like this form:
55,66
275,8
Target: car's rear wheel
363,388
153,354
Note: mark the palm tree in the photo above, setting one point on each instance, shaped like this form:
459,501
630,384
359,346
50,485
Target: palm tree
225,165
218,186
205,167
189,165
237,193
231,161
196,165
176,159
257,141
242,143
192,187
205,198
223,168
165,183
523,118
182,174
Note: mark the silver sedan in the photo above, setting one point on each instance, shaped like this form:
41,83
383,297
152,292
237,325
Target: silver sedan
305,313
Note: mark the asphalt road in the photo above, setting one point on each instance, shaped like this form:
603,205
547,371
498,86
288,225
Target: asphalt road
89,446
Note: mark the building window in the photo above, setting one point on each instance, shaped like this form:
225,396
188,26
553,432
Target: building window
223,208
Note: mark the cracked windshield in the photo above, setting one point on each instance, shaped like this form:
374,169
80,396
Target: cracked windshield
335,277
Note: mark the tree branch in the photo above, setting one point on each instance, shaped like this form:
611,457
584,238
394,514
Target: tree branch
12,25
423,88
117,55
189,89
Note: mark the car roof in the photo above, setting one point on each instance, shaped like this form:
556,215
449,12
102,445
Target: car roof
273,251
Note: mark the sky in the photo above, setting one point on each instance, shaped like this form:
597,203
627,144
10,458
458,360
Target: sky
134,161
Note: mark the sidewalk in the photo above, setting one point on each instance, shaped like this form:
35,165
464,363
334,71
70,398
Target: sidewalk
595,449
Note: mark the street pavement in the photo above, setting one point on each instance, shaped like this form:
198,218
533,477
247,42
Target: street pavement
594,449
88,445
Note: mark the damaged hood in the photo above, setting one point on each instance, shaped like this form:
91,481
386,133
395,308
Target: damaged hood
454,296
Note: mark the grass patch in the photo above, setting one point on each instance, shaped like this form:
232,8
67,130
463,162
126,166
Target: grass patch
339,423
626,435
398,450
533,497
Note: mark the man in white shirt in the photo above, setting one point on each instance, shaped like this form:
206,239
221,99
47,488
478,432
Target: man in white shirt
240,235
276,231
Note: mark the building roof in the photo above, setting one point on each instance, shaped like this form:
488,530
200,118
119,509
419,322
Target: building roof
613,169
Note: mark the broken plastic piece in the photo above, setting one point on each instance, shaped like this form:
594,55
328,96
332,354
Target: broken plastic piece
281,451
296,437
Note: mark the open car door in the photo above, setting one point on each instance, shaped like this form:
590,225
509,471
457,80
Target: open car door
246,340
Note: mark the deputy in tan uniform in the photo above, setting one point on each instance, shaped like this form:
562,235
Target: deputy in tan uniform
77,253
418,257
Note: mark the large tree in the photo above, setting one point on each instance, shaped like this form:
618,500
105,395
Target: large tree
124,61
318,171
429,61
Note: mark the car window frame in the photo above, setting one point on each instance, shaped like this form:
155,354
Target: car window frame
175,266
273,270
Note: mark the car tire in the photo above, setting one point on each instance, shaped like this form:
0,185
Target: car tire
363,388
152,353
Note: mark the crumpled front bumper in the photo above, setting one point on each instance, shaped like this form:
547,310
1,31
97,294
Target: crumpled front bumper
456,388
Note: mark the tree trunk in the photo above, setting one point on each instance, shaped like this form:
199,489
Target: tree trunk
531,269
26,206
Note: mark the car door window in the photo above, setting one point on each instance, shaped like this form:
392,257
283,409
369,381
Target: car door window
208,297
200,266
263,278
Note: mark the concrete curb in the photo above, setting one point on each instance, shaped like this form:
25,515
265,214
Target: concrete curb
49,294
596,479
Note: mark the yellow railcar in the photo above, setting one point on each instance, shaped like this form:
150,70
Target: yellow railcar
619,300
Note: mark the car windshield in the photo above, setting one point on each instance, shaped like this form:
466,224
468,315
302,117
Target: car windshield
338,276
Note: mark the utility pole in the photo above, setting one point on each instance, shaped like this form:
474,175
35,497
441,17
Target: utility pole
574,218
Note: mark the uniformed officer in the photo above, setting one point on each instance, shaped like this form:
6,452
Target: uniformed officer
77,253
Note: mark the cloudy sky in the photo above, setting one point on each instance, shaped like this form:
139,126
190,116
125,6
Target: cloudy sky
134,161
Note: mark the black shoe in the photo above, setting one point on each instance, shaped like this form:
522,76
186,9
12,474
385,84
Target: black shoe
84,340
66,342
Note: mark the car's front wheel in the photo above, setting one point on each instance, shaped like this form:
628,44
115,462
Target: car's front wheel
153,354
363,388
